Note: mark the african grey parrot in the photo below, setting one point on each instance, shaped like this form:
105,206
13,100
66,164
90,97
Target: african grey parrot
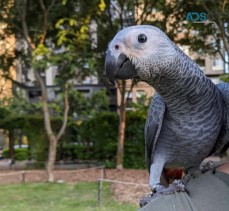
188,118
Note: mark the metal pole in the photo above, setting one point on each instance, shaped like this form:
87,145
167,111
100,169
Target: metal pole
23,176
104,173
99,192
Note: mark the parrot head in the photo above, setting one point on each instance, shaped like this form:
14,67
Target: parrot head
138,51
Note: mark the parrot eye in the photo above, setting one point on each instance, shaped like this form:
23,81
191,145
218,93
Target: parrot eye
142,38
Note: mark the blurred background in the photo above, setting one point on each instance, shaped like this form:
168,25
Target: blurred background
58,112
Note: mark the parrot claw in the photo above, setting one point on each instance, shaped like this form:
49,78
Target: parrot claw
146,199
180,186
176,186
209,166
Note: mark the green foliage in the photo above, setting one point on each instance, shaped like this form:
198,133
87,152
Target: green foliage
202,38
225,78
97,140
82,106
134,148
101,132
71,152
4,112
99,101
17,115
19,153
170,17
62,40
38,144
23,122
33,128
66,152
18,105
142,104
41,50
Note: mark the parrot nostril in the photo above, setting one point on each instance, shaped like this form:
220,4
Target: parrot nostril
116,47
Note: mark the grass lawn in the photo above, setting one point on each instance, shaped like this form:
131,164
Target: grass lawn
57,197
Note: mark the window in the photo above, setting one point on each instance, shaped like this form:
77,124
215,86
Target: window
141,96
129,100
217,64
140,93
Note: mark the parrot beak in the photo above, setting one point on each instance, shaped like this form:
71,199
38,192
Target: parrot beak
121,68
110,67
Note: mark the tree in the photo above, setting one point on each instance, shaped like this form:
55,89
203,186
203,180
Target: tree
116,16
168,16
218,12
51,33
209,38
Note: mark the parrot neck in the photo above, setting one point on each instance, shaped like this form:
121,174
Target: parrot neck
183,85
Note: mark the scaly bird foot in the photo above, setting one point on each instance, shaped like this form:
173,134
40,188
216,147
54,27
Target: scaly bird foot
146,199
209,166
176,186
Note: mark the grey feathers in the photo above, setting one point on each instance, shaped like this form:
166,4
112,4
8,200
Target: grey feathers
153,125
188,118
222,142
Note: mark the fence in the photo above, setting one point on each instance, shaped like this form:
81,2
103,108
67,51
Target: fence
104,179
101,175
22,173
9,176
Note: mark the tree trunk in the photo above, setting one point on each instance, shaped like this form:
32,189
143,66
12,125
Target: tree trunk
53,139
11,145
122,126
51,158
121,138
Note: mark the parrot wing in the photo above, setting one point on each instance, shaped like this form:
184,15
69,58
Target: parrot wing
153,125
222,142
